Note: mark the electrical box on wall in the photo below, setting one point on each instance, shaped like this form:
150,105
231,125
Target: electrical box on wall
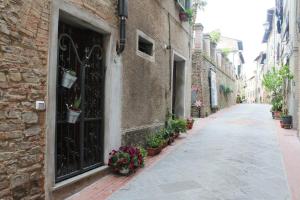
40,105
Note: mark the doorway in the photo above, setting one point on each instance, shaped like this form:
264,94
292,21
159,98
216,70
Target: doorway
79,143
178,86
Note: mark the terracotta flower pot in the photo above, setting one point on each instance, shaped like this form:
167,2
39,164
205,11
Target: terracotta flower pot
164,145
176,135
153,151
277,115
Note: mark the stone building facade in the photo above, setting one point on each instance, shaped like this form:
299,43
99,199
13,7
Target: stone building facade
41,155
212,73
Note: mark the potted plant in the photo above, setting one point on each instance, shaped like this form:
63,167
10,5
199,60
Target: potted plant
277,102
179,126
68,79
126,160
153,144
164,136
73,111
286,121
186,15
189,123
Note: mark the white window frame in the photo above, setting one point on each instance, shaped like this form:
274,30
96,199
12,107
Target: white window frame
149,39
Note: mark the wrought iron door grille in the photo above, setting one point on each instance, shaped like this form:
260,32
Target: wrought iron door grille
79,146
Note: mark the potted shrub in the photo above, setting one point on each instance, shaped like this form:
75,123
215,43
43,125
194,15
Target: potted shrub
126,160
277,102
154,144
189,123
68,79
74,111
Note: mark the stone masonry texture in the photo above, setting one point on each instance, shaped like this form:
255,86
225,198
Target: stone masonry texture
24,28
201,65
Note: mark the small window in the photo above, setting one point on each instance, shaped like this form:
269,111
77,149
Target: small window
145,46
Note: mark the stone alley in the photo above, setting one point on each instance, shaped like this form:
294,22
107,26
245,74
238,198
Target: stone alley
234,155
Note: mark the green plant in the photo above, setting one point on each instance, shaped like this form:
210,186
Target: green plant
143,152
215,36
277,103
226,51
180,125
154,141
73,73
189,13
77,103
272,81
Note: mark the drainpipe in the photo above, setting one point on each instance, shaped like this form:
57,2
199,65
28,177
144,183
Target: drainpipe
170,52
123,15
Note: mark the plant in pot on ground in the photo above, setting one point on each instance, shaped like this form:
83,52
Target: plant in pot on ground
154,143
189,123
286,76
273,84
74,111
126,160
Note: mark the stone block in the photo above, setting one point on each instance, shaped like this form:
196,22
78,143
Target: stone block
2,77
30,77
30,117
19,180
36,130
12,114
15,76
10,135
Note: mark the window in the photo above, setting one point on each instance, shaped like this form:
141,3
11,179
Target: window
184,4
145,46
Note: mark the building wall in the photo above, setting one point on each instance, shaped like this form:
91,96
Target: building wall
147,84
202,63
26,135
24,28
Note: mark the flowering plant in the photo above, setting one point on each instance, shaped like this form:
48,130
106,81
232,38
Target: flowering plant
126,157
198,104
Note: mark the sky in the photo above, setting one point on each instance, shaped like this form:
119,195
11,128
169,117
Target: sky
239,19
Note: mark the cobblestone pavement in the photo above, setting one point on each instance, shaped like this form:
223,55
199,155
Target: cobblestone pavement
235,156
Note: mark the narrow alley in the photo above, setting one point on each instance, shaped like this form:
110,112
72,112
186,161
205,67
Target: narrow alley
236,155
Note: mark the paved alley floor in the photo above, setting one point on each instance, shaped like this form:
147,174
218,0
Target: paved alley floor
235,156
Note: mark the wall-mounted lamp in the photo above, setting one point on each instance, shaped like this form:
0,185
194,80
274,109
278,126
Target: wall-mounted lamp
123,15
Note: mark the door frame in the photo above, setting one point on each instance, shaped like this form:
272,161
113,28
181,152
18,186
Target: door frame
178,57
113,88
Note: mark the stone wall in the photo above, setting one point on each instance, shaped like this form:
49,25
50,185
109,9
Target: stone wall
201,65
23,80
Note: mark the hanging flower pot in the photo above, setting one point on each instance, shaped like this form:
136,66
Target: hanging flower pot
72,116
73,111
68,79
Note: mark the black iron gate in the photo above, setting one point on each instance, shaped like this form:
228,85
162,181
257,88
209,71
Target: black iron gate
79,143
